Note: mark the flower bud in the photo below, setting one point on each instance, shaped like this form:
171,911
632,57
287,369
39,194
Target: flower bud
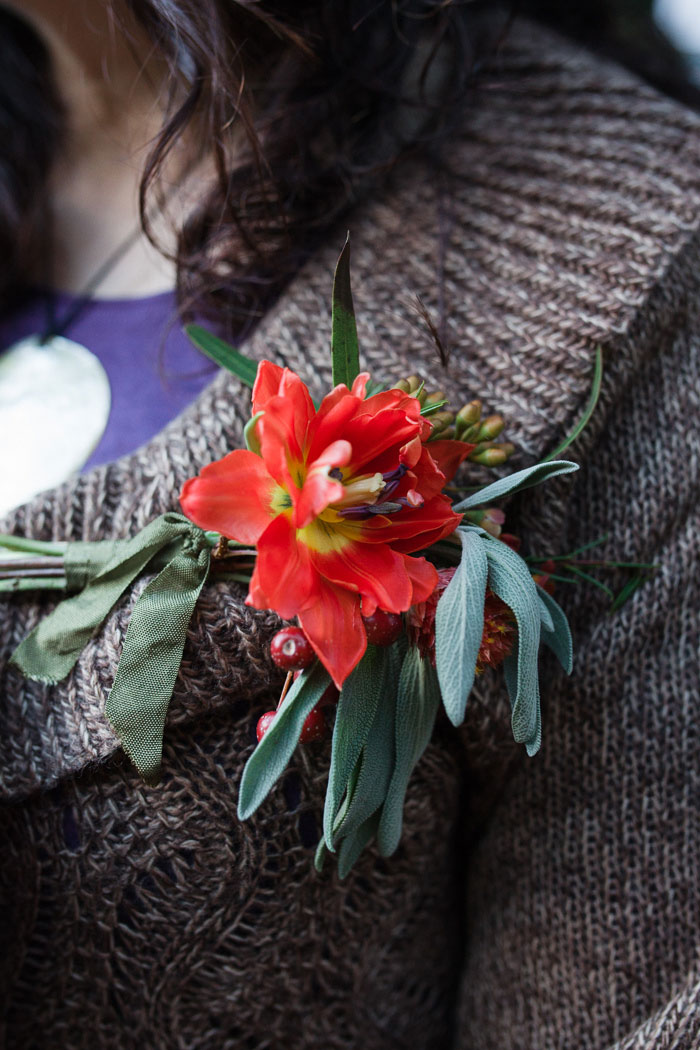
491,428
435,397
440,420
488,457
467,417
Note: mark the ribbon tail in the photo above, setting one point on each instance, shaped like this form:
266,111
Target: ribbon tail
101,572
143,685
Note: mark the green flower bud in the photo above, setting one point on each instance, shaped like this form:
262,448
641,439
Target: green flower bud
491,428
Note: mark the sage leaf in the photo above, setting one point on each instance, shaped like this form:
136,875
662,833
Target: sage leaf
459,625
356,708
352,846
345,352
510,578
558,637
545,615
510,670
378,755
521,479
417,705
269,760
223,355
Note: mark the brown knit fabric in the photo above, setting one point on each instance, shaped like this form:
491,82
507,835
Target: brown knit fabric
550,902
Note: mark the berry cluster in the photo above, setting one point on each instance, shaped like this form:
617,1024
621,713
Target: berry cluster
291,651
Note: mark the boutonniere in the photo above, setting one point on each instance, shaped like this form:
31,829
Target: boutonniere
344,518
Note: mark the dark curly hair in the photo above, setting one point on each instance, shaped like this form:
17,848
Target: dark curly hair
302,105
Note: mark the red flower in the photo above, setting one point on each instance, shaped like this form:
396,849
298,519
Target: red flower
335,503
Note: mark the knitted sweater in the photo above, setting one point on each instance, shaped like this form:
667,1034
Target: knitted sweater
533,903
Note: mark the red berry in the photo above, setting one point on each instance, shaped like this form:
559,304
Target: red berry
264,723
382,628
291,650
314,726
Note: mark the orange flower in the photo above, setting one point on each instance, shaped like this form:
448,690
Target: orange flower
335,502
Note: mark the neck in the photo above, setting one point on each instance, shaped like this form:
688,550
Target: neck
110,81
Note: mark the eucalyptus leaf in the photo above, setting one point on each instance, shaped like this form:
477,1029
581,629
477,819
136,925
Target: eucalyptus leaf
269,760
222,354
510,579
345,352
378,755
558,637
356,709
459,625
352,846
521,479
417,705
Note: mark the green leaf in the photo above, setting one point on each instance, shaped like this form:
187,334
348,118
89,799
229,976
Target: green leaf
269,760
345,353
510,670
589,409
222,354
510,579
459,625
377,763
352,846
627,591
356,709
417,705
522,479
558,637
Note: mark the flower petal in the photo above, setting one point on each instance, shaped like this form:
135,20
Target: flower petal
449,454
372,569
232,496
267,385
333,625
319,489
284,578
424,578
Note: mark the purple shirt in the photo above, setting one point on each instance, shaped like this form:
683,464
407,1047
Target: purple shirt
153,369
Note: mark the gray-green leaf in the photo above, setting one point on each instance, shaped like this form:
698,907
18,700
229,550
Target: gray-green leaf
356,709
522,479
459,625
378,755
269,760
558,638
417,705
511,580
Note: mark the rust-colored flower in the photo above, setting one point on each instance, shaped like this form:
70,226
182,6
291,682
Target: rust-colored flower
336,501
497,637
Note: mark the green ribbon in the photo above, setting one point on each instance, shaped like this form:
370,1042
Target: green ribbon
143,685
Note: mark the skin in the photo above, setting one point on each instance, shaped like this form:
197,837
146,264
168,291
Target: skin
112,86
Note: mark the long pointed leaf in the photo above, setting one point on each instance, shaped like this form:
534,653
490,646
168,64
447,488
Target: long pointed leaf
223,355
352,846
356,709
417,705
558,639
522,479
269,760
588,410
378,755
345,353
510,579
459,625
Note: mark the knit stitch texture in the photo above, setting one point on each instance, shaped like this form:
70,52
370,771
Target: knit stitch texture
533,903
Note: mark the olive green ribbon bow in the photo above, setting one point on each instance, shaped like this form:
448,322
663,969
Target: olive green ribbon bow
145,678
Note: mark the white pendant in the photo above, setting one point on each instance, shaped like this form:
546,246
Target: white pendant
54,406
